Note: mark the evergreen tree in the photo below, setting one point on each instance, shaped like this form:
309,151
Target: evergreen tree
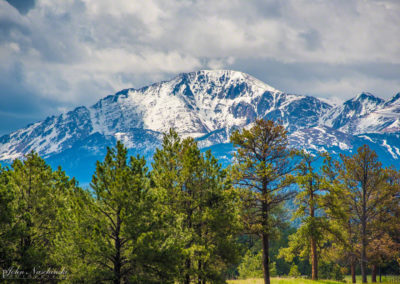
384,226
315,200
123,221
203,202
344,244
8,215
263,168
38,213
382,250
368,194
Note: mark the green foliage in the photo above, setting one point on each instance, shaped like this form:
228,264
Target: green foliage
204,204
294,271
262,170
251,266
272,269
331,270
316,209
179,222
36,219
129,242
8,216
370,198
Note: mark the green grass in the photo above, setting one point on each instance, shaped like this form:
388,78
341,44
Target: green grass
277,280
385,279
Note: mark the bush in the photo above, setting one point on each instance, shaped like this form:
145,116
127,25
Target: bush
272,269
330,270
294,271
251,266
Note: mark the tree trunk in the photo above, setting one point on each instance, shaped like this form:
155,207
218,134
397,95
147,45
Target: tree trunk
314,256
353,272
374,273
189,212
363,264
265,258
380,274
265,236
117,246
364,234
314,259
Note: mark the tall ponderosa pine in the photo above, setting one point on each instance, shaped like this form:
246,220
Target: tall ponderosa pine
384,227
344,246
263,167
368,194
313,201
201,198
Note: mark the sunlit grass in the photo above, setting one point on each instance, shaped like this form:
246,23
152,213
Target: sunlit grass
277,280
385,279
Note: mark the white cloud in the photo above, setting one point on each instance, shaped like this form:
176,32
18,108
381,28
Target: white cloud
76,51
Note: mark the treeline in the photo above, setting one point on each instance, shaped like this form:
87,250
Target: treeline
188,220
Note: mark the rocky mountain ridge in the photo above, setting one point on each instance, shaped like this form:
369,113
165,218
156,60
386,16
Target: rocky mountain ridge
208,105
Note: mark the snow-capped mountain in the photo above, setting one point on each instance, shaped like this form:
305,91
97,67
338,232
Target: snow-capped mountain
207,105
365,114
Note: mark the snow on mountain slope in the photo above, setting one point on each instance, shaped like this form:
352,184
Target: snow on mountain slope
365,114
195,104
49,136
350,110
207,105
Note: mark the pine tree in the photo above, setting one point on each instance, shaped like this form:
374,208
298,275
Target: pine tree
201,198
312,199
381,250
8,215
121,218
367,193
38,212
384,226
131,240
263,168
344,244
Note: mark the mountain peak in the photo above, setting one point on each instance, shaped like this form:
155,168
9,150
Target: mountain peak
394,100
223,76
366,96
206,104
364,103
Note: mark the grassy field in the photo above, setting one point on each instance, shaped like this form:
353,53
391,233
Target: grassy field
277,280
385,279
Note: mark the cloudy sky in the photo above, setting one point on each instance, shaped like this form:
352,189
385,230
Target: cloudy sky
58,54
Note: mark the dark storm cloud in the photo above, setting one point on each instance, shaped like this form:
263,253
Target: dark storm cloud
23,6
58,54
20,106
9,26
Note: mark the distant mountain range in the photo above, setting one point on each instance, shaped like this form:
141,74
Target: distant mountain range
207,105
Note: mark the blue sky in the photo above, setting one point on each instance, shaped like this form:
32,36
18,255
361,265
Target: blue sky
58,54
